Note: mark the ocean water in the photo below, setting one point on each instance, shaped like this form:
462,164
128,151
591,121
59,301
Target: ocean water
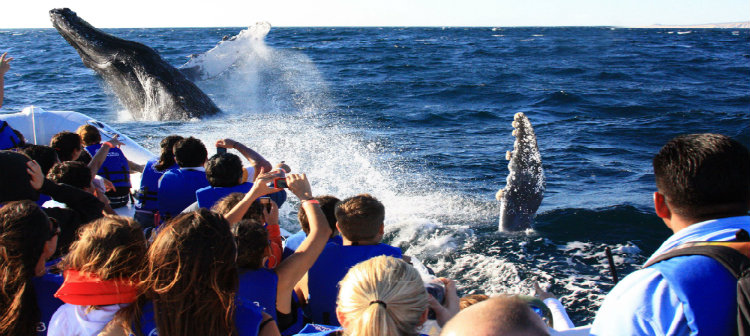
421,119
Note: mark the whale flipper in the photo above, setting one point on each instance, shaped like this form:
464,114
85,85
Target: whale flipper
148,86
524,189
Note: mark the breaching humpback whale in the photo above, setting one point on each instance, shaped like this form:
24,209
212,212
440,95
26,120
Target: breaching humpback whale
148,86
525,186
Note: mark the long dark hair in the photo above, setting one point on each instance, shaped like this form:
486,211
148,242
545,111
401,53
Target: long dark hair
166,158
191,276
24,230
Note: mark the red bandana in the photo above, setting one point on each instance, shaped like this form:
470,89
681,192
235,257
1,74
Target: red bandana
86,289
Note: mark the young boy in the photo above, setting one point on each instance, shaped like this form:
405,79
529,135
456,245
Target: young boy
359,219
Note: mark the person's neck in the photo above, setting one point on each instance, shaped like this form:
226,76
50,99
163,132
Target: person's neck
347,242
678,223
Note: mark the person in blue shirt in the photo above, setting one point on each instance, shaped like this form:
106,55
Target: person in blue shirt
360,221
116,167
28,238
189,283
328,204
177,187
273,289
703,194
224,173
382,296
146,199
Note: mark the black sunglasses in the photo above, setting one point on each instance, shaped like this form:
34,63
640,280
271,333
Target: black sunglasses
55,228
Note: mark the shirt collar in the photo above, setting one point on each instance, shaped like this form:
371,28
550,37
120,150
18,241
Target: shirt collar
203,169
721,229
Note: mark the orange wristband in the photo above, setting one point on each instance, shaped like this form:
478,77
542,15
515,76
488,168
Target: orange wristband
311,201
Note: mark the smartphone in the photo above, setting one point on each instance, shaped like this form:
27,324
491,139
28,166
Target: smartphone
221,150
278,183
265,201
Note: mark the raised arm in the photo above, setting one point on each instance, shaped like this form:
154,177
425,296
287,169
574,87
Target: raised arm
258,162
259,189
98,160
292,269
4,67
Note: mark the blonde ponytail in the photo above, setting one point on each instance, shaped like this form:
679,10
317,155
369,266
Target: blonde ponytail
382,296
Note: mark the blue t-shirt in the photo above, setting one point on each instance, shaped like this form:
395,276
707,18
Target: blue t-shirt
45,287
247,318
294,241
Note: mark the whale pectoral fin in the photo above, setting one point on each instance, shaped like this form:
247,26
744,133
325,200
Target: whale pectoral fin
499,194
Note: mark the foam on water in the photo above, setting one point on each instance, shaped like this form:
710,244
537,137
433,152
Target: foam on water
276,102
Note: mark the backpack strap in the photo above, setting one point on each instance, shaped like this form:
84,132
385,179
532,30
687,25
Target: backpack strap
728,254
734,257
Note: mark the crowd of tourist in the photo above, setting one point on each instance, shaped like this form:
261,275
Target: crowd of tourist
203,252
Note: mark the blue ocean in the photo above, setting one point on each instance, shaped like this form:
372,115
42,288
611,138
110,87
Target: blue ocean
421,119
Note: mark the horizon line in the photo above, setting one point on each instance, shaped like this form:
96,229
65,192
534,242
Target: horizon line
652,26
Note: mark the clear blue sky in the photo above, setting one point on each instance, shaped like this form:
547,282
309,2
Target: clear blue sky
494,13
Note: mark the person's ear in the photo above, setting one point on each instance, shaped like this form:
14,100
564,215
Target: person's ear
661,207
341,317
423,317
381,232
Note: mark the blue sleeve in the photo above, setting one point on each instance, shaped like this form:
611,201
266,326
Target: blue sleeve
641,304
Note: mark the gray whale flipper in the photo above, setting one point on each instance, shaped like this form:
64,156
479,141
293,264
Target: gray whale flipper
149,87
525,185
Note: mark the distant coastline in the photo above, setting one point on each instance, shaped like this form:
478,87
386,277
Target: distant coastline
726,25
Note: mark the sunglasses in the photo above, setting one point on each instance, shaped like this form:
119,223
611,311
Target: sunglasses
55,228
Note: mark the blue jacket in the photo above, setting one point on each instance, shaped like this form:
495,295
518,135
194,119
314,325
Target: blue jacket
177,190
259,287
247,318
115,167
208,196
149,193
294,241
675,297
45,287
332,265
8,138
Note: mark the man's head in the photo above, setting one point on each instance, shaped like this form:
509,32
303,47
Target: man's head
89,135
703,176
498,316
190,152
360,218
73,173
328,205
14,179
224,170
45,156
67,144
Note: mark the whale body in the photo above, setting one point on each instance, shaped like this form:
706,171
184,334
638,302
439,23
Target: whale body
524,189
149,87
